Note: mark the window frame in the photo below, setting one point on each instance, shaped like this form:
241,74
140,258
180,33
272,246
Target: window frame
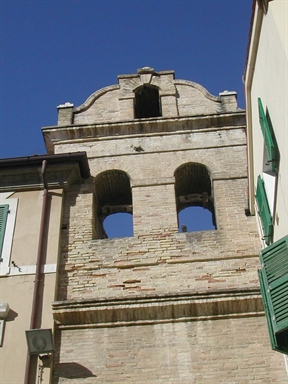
9,231
264,210
4,209
269,141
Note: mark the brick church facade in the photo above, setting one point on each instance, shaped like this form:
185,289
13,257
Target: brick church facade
162,305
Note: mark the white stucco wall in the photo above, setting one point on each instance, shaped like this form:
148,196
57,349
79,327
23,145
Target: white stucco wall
17,284
269,82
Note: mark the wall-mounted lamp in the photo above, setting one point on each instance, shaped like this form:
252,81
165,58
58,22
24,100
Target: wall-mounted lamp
4,310
39,341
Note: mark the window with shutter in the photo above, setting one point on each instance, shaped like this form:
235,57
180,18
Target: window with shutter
268,137
273,278
8,210
3,219
264,211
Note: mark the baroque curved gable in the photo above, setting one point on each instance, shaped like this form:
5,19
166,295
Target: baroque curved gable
177,98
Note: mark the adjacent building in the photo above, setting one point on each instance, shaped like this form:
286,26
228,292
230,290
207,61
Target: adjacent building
267,135
31,197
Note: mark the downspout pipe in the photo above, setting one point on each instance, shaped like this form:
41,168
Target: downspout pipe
257,18
39,262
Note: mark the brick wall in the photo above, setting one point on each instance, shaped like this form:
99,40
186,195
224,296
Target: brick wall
88,266
220,351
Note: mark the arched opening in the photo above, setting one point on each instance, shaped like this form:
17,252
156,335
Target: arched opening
147,102
194,198
113,196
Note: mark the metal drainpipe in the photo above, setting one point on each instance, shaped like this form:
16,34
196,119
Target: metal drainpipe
38,266
249,79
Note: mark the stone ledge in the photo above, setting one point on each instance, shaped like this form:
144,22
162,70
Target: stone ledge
153,309
70,132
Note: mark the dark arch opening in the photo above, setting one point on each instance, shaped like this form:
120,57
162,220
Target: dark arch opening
193,189
112,196
147,102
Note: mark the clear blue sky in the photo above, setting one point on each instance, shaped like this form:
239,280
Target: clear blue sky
53,51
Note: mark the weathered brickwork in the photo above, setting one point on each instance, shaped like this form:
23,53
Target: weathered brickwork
228,351
223,249
116,103
156,242
160,306
108,267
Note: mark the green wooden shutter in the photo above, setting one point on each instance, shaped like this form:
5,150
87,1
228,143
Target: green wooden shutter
264,210
272,337
268,138
3,218
273,278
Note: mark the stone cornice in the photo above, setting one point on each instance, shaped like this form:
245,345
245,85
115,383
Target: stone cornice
162,308
54,134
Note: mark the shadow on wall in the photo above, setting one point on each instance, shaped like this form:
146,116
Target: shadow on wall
73,371
11,315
